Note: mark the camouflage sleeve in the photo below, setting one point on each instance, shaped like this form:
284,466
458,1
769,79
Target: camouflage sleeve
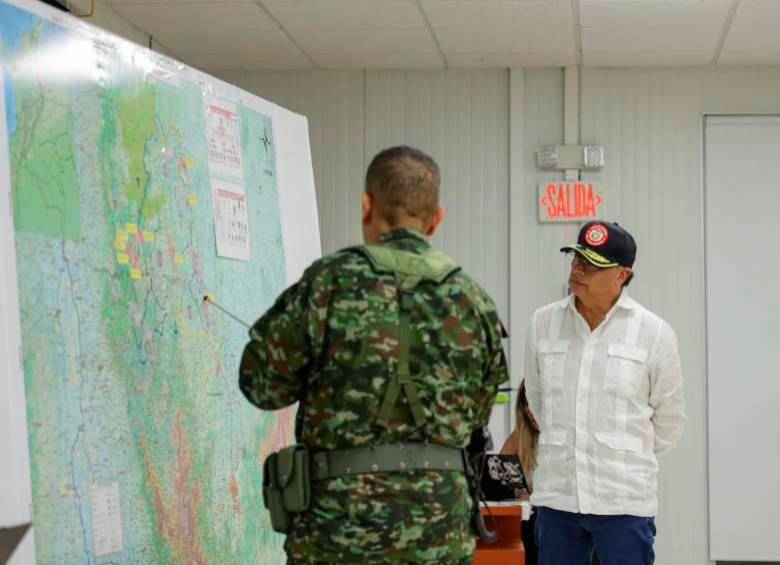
496,370
284,346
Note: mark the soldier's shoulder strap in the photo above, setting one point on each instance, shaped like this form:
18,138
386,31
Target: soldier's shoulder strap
410,269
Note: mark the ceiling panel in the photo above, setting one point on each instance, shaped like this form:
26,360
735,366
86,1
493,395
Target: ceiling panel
229,34
233,47
498,14
179,2
203,28
486,40
503,33
505,60
357,40
249,60
649,39
653,13
758,13
345,14
651,32
645,58
752,38
364,60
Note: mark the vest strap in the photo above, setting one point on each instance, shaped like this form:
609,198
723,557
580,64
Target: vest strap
409,270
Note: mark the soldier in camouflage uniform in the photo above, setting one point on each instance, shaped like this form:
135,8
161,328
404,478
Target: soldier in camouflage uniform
333,341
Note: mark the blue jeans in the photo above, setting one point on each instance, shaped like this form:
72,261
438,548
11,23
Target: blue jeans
565,538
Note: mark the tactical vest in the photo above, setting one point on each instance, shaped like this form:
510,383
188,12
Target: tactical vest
288,473
409,270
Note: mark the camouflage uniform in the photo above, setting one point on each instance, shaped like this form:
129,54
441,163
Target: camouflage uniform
331,341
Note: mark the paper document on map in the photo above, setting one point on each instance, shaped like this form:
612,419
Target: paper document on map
106,519
231,220
224,138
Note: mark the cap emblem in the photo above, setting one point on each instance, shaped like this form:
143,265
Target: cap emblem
597,235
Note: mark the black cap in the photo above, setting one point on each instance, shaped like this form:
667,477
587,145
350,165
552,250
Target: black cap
605,244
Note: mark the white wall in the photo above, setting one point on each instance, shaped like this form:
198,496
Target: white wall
460,117
650,122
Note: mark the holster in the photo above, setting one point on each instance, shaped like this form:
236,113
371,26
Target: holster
286,485
474,460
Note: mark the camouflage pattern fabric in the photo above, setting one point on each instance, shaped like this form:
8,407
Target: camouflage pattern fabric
331,341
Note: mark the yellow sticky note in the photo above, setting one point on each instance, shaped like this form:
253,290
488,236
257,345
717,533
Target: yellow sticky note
121,235
189,162
132,228
148,237
120,245
135,274
122,258
192,199
179,259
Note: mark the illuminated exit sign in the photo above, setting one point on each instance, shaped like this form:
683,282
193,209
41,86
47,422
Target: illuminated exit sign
572,201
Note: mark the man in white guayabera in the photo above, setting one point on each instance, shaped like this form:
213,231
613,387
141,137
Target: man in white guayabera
604,382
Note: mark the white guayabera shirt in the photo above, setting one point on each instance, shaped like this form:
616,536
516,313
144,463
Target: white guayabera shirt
607,402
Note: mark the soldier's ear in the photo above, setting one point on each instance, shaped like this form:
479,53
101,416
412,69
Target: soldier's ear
437,220
367,203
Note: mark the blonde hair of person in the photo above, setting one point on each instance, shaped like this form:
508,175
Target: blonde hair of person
524,440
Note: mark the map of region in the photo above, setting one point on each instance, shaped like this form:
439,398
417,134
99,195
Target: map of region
142,448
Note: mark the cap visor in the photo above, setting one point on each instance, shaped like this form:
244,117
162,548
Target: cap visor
591,256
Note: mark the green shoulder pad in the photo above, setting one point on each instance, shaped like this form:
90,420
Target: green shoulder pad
409,268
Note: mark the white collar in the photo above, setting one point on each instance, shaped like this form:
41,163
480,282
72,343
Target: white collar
625,302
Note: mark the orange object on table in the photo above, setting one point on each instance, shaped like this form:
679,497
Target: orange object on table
508,548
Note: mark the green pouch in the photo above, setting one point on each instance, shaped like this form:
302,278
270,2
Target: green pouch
286,485
272,497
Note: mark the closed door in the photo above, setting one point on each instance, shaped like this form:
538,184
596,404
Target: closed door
742,246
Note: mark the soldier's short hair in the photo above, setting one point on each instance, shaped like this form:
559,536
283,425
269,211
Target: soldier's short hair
404,182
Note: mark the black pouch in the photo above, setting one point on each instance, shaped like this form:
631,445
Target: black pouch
286,485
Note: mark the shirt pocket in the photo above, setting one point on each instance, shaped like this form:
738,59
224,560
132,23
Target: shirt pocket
552,357
553,466
626,366
619,442
622,471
